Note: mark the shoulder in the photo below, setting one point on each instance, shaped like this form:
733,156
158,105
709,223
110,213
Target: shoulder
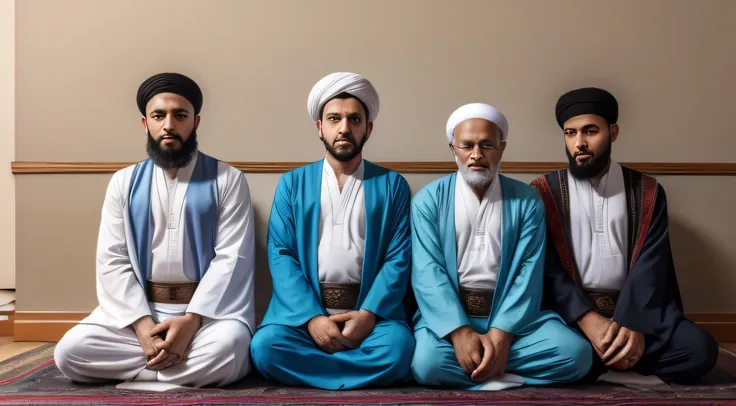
229,174
120,181
527,197
296,179
232,185
434,191
544,180
648,183
394,180
634,174
519,189
301,172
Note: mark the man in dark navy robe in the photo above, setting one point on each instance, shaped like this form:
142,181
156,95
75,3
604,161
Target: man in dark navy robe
609,270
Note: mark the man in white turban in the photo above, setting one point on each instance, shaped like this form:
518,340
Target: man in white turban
339,250
478,242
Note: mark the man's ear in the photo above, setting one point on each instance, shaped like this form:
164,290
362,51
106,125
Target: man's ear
501,149
196,121
613,129
369,130
319,130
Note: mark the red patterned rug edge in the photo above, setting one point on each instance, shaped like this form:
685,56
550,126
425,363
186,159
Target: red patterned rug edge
127,400
24,374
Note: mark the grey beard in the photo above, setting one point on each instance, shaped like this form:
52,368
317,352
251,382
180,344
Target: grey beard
476,179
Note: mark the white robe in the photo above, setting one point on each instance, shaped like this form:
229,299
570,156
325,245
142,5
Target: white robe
599,229
104,345
479,234
341,229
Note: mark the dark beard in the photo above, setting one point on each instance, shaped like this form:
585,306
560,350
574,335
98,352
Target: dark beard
595,165
346,155
172,158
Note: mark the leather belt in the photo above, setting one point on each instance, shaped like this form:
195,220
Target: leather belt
476,302
171,292
340,296
604,301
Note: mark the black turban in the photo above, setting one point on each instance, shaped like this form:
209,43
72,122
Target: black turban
169,83
588,100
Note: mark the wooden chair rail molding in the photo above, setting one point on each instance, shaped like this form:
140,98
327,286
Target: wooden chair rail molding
655,168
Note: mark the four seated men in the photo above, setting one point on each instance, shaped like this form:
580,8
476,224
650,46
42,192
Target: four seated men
514,285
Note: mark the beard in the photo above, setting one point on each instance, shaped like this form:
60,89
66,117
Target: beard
477,179
345,154
172,158
593,167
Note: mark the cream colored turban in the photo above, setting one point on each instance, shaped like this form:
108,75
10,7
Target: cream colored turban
477,110
342,82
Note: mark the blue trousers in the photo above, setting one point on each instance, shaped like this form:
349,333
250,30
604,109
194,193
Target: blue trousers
552,354
290,356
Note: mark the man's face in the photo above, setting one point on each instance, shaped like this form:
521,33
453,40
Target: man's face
478,150
588,140
171,126
344,128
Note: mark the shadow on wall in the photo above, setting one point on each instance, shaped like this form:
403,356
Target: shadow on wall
699,264
263,283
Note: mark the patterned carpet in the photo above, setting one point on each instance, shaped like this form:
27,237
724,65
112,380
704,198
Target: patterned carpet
32,378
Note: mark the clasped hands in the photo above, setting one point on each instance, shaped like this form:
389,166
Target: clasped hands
481,356
342,331
165,343
619,347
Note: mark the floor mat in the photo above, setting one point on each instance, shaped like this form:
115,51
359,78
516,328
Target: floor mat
32,378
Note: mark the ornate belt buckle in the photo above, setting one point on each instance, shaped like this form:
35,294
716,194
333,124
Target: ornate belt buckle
174,293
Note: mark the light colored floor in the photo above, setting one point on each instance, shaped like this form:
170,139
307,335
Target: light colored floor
9,349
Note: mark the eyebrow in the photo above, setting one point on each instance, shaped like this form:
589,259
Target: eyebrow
351,115
481,142
175,111
585,127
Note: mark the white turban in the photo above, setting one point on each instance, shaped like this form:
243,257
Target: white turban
477,110
342,82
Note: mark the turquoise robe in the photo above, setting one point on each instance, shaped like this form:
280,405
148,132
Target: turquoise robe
543,350
282,349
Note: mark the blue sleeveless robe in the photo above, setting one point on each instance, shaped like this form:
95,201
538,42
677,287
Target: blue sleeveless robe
200,214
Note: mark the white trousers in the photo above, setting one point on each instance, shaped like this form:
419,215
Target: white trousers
219,354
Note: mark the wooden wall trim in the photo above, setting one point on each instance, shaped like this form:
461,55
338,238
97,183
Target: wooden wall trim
439,167
44,326
41,331
6,326
51,326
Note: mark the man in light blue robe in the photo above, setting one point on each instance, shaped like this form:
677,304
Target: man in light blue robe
339,249
478,242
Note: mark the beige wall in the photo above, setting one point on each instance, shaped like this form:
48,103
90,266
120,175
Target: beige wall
79,63
7,144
